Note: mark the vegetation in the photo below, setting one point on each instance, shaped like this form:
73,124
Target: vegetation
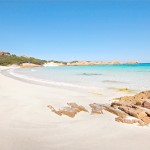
60,62
13,59
75,61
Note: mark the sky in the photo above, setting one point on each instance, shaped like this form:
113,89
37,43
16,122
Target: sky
67,30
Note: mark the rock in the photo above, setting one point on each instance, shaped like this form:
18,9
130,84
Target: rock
141,123
96,108
146,104
72,110
131,121
135,112
78,108
138,99
143,95
146,120
121,103
115,111
129,109
126,120
68,111
147,111
54,110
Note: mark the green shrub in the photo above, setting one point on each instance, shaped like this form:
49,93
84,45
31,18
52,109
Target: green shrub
13,59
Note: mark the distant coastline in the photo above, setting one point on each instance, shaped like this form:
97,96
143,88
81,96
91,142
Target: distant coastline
7,59
88,63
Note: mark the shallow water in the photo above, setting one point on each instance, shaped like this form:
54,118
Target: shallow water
135,77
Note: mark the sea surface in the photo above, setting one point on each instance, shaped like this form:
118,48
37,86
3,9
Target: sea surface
135,77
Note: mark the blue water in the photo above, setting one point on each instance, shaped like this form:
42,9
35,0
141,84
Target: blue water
136,77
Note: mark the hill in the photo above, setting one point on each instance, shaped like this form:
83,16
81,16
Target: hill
9,59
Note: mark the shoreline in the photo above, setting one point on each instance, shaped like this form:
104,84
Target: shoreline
30,65
90,90
37,81
87,64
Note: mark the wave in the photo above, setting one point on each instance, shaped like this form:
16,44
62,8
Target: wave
38,80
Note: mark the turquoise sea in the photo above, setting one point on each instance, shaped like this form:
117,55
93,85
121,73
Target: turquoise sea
135,77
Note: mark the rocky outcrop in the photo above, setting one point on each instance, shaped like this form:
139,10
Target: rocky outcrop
64,111
70,111
86,63
146,103
137,106
146,120
135,112
54,110
78,108
96,108
127,120
138,99
115,111
129,109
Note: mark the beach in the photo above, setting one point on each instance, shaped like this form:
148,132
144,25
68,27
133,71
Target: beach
75,75
28,124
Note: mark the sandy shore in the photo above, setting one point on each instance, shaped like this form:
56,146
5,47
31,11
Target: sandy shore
28,124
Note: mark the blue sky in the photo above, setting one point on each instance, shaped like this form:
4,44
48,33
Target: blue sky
76,29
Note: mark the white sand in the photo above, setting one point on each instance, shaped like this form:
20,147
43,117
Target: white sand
27,124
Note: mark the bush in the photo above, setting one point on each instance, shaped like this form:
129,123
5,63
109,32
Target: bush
13,59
